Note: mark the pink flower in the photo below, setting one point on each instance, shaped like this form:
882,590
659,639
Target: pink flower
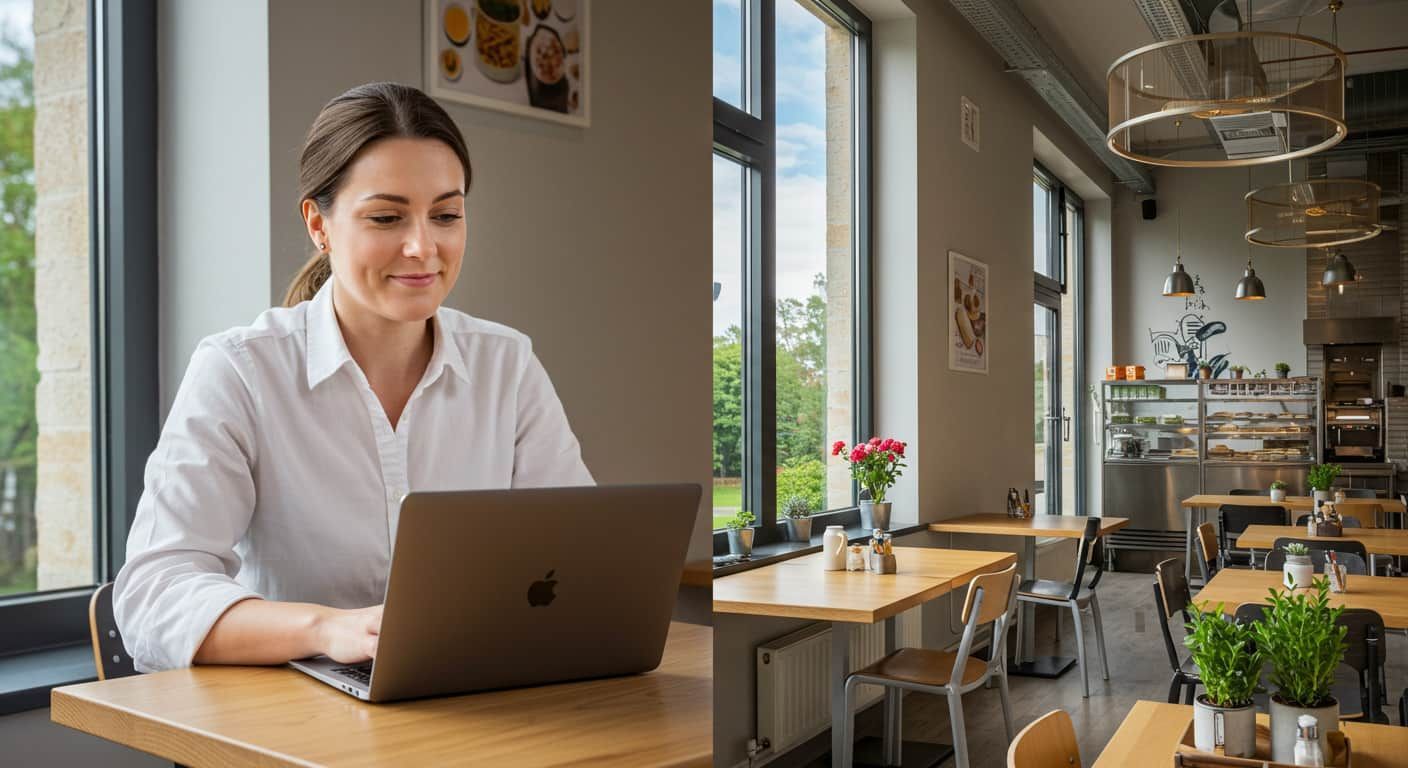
857,454
887,444
899,448
837,447
875,441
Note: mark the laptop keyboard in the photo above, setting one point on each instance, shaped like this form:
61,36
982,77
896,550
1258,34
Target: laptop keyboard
362,673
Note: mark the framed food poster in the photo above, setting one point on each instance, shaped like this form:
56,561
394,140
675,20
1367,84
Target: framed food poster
528,57
968,314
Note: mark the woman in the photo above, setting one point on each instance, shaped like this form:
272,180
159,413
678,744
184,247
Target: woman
265,529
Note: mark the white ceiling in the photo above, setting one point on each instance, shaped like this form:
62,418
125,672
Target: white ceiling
1089,35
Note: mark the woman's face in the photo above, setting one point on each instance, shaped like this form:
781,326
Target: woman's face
396,230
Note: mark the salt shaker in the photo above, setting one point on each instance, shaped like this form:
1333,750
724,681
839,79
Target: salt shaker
1308,742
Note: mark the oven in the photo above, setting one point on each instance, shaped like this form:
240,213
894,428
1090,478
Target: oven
1354,431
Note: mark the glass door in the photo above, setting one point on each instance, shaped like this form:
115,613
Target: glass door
1049,426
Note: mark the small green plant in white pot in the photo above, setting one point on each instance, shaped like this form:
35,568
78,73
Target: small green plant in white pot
740,533
1321,478
1229,664
1300,635
1278,490
1298,571
798,512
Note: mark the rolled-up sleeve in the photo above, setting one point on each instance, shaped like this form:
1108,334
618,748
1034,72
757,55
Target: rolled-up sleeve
195,507
546,453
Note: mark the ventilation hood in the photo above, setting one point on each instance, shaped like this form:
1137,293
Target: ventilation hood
1351,330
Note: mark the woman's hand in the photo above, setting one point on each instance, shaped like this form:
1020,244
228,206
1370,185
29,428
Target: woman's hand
350,636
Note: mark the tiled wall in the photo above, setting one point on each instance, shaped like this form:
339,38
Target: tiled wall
1383,264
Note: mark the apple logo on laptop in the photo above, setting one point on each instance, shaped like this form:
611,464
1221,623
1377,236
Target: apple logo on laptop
541,592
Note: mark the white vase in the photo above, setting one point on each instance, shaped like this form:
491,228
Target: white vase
1298,572
1283,727
1278,494
1234,729
833,548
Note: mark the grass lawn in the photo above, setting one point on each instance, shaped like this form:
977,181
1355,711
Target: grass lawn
728,498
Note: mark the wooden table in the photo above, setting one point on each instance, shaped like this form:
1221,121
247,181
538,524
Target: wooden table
1378,541
1234,586
1030,528
1152,730
800,589
1199,504
276,716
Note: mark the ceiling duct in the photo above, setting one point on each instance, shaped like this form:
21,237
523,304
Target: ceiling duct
1018,43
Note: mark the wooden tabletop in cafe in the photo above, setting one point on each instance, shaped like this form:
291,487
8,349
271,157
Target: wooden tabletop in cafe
800,589
1062,526
1378,541
1234,586
276,716
1152,730
1293,503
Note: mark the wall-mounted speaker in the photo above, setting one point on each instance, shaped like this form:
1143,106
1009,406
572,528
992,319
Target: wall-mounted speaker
1151,209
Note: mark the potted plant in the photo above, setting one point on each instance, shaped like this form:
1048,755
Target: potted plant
1283,370
1261,374
876,465
1301,637
1278,490
1229,664
1298,570
1237,371
1320,478
740,533
1204,369
798,512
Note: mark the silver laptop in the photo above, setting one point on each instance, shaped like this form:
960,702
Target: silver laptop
500,589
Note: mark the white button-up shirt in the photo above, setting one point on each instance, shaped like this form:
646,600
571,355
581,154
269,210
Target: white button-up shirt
278,475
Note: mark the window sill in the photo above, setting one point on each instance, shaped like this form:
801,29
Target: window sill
26,678
771,554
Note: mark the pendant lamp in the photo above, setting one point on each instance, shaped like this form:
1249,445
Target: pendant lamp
1179,282
1250,287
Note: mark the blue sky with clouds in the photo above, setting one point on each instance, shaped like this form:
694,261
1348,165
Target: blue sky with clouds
801,158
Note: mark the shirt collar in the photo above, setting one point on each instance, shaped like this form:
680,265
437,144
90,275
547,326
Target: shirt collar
327,350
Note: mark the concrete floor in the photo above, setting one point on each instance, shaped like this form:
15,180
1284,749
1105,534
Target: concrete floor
1138,670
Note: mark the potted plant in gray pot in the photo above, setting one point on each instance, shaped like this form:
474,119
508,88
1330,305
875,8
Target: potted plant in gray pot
1278,490
740,533
1300,635
1321,478
876,465
1229,664
1283,370
798,512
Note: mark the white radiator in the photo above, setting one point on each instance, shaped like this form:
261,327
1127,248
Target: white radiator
794,678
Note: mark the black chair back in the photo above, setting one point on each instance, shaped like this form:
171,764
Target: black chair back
1345,522
1090,550
1359,493
109,655
1338,547
1249,492
1234,518
1171,595
1354,565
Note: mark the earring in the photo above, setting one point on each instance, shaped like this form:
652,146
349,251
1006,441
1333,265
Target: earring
322,245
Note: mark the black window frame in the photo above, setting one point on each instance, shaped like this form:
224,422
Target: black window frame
122,188
748,137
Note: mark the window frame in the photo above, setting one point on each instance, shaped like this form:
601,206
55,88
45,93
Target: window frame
122,186
748,136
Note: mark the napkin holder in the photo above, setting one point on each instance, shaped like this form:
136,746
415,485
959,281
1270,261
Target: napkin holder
883,563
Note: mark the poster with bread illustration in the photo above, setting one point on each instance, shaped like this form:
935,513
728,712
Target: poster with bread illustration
968,314
527,57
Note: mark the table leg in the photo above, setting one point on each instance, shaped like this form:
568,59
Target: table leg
840,668
1029,665
1190,541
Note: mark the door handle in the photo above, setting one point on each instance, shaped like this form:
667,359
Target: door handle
1065,426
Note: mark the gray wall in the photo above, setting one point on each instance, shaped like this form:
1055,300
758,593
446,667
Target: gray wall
933,194
1259,333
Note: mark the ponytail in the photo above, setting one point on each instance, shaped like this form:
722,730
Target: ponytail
306,283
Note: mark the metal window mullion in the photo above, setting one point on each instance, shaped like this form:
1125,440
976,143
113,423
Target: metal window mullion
862,253
761,323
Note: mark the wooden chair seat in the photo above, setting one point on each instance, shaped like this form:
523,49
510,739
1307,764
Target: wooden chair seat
923,666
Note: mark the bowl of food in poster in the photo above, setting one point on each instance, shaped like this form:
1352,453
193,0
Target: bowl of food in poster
566,10
541,8
546,60
451,67
455,22
498,39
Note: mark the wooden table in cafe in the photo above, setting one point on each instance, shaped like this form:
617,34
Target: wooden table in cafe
1030,529
1234,586
1151,731
1198,505
800,589
276,716
1378,541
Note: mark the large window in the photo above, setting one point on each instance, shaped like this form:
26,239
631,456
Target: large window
78,400
790,255
1057,254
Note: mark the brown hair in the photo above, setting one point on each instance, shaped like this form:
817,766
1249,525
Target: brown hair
344,127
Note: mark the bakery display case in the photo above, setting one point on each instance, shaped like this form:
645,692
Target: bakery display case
1150,421
1259,430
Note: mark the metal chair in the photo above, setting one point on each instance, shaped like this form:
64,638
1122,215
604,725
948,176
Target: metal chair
1171,596
1360,493
1207,545
1343,546
1233,519
1069,594
1047,742
109,655
990,600
1353,564
1359,694
1249,492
